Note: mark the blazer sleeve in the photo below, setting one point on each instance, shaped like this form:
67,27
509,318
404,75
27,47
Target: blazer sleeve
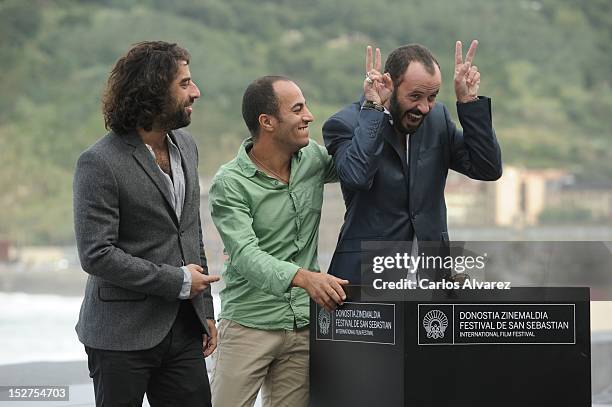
356,145
474,151
96,224
209,309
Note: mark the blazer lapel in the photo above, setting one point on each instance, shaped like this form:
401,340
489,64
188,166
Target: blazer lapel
143,156
189,169
415,146
395,141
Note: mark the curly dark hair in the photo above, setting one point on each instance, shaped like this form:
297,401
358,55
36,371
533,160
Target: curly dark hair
137,91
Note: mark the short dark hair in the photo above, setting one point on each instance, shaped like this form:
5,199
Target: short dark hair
401,57
260,98
137,90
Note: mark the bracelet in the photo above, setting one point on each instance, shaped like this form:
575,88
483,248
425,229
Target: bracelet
368,104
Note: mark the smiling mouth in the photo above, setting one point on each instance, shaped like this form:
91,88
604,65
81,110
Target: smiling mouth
414,117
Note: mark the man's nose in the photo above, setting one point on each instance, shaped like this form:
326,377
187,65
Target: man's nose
195,91
424,107
308,117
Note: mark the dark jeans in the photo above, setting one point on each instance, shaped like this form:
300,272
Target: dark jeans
173,373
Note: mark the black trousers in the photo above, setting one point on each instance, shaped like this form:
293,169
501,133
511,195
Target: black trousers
173,373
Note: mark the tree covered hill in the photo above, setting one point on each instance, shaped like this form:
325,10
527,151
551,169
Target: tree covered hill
547,65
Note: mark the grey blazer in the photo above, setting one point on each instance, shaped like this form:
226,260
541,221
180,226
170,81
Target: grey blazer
131,243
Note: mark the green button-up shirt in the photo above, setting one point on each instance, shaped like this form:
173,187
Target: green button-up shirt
270,230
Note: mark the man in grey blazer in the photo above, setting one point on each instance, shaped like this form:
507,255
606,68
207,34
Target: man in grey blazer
147,319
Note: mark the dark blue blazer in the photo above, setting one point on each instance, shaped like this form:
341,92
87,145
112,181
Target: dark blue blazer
387,199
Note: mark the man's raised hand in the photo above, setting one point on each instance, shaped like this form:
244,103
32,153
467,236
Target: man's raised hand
377,87
467,77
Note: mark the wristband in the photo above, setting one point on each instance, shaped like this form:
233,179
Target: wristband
368,104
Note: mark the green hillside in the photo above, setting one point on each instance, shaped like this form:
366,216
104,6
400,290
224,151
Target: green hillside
546,64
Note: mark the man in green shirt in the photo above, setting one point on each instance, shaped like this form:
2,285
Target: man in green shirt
266,205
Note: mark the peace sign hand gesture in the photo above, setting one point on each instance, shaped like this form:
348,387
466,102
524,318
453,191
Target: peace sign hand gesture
467,77
377,87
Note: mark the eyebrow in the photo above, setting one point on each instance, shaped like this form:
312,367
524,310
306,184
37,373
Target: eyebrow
432,91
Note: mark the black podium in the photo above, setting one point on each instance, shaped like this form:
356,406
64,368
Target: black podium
462,348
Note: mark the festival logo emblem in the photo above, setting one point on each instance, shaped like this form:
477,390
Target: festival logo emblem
324,321
435,323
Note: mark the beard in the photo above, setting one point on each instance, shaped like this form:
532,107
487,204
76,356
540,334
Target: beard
398,116
175,115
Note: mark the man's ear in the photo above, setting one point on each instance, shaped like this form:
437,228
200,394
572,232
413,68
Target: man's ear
267,122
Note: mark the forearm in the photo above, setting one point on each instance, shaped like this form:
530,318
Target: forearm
208,301
300,279
232,218
264,271
476,152
117,267
357,150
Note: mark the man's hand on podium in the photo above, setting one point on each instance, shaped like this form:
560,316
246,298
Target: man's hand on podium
324,289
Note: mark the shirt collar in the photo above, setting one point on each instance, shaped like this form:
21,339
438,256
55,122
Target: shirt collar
171,146
246,165
244,161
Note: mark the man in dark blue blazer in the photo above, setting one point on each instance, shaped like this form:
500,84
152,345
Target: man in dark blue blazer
394,147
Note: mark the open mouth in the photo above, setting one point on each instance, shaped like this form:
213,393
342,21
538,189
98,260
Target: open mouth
414,117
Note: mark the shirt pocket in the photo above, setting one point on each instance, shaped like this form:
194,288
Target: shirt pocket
309,198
